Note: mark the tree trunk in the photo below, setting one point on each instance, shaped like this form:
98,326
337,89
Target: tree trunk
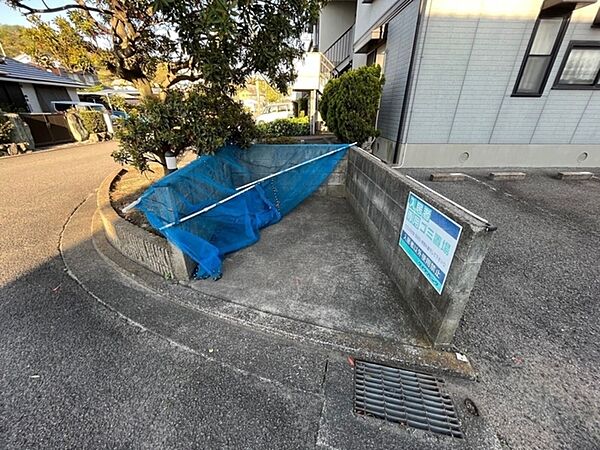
144,87
163,162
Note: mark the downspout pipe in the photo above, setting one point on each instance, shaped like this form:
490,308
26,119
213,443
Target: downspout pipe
408,87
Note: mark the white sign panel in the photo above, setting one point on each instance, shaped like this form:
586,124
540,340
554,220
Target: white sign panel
429,238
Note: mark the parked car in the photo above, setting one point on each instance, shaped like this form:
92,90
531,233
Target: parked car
64,105
276,111
115,114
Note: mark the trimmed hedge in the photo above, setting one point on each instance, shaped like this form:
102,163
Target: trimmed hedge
93,121
297,126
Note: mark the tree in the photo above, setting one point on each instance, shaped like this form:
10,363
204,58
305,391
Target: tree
201,119
10,37
62,41
163,42
349,104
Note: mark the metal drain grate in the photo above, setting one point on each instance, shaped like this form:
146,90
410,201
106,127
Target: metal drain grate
403,396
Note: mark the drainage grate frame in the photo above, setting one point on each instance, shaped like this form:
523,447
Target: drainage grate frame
403,396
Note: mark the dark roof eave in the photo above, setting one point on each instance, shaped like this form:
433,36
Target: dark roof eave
74,84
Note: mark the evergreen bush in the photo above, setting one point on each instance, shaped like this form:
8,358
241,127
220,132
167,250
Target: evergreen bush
93,121
202,120
349,104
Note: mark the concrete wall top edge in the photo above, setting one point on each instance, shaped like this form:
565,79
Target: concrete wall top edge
461,215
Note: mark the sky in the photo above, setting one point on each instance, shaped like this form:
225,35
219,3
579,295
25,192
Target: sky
10,16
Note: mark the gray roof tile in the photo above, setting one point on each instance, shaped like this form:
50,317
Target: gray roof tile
10,68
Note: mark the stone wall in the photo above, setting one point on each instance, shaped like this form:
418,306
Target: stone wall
378,195
149,250
21,132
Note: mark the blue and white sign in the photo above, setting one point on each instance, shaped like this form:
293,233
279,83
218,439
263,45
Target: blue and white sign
429,238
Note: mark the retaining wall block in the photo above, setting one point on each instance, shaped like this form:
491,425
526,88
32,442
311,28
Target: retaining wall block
378,195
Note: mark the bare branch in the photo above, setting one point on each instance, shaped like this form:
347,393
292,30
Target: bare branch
181,77
80,5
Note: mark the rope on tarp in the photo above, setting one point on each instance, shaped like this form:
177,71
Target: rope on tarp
245,188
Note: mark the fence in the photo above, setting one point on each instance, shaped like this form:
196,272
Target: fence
341,50
48,129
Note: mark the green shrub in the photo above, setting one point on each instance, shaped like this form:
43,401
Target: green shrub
93,121
298,126
6,128
349,104
202,120
120,104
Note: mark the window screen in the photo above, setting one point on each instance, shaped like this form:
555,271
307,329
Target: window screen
581,66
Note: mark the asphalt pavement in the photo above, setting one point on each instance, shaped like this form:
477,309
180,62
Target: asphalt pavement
75,375
532,325
90,358
110,364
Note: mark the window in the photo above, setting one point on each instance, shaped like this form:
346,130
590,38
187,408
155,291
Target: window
546,38
581,66
12,98
377,56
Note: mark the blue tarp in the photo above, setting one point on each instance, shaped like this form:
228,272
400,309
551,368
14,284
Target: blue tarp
235,223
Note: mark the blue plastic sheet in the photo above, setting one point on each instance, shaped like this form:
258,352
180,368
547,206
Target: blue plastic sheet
208,237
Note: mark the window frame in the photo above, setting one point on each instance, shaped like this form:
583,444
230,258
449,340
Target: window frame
566,19
596,22
576,87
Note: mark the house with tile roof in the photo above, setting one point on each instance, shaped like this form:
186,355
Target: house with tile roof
25,88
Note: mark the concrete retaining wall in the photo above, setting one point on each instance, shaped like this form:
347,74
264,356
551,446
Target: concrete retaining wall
378,195
151,251
335,185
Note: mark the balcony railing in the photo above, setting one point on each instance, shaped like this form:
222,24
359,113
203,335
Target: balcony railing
341,50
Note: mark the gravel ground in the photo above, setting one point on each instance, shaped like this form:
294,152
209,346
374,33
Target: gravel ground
532,326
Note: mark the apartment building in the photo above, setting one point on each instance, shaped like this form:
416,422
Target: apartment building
476,83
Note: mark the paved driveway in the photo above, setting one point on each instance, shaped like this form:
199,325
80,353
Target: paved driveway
532,327
74,375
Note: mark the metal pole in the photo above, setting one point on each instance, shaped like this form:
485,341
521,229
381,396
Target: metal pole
247,187
208,208
297,165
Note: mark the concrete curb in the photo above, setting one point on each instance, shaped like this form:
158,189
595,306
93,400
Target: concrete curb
566,175
447,176
147,249
507,176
